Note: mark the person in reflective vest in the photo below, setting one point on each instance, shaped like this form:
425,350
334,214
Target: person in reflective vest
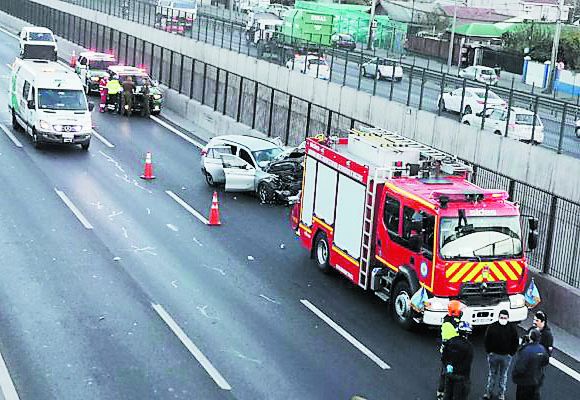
113,90
103,92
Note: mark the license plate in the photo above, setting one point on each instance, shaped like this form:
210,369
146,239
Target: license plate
156,108
67,140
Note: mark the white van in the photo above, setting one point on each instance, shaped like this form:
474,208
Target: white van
37,42
47,101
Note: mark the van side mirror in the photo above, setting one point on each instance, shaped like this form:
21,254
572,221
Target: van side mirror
30,104
91,106
533,235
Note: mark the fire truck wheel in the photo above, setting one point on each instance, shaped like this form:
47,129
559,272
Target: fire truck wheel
322,253
401,305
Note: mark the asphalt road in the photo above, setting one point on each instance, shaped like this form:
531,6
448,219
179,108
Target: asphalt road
84,312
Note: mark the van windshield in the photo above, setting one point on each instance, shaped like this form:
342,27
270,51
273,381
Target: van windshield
40,37
101,65
59,99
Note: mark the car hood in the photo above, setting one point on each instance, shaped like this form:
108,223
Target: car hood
98,72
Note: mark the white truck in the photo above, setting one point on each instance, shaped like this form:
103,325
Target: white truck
37,42
48,102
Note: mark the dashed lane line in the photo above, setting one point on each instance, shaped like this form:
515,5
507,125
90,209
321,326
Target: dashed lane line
6,385
193,349
74,209
10,135
190,209
9,33
177,132
103,140
351,339
565,369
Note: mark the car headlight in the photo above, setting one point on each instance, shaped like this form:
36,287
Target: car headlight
156,97
436,304
517,301
44,125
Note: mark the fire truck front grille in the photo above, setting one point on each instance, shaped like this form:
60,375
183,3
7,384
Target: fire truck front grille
483,293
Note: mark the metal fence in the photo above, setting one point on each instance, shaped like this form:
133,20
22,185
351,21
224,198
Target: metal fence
290,118
426,83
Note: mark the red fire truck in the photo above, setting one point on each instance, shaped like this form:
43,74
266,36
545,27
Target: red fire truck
394,215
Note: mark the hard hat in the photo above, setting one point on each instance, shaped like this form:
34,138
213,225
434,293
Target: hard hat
464,327
454,308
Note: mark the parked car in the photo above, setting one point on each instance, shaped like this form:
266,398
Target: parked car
473,101
343,41
91,67
520,124
138,75
311,65
382,68
480,73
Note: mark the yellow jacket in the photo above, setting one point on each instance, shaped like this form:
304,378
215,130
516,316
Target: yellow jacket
114,86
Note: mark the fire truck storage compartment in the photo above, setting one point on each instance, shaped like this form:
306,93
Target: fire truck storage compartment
325,195
308,194
349,216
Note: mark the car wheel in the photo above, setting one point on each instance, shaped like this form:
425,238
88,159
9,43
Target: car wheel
442,105
578,132
379,75
466,123
401,305
364,71
209,179
467,110
85,146
264,193
15,123
322,253
35,140
497,132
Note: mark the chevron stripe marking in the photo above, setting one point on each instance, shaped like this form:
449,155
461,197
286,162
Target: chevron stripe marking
496,271
452,269
508,270
517,267
461,272
473,273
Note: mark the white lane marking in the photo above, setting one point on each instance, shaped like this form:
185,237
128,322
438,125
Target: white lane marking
187,207
9,66
565,369
172,227
361,347
102,139
202,359
74,209
9,33
6,384
178,133
11,136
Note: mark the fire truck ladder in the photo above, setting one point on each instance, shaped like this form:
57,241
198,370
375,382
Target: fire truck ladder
380,175
449,163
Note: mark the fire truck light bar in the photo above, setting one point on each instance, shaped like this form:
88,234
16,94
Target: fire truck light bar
471,196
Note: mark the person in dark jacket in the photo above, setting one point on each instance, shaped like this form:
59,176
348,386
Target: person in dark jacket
127,99
529,364
448,331
501,343
146,92
541,323
457,357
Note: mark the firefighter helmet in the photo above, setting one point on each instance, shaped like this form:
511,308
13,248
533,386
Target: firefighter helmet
454,308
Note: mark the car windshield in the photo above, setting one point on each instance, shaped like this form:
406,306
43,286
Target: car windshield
486,72
315,61
527,119
485,237
101,65
40,37
58,99
264,157
490,95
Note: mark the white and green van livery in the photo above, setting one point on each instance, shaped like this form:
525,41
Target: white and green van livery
48,102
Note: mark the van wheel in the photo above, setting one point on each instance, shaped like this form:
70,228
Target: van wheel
322,253
15,123
497,133
85,146
35,141
401,305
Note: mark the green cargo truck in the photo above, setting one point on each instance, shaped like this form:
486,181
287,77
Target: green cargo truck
306,26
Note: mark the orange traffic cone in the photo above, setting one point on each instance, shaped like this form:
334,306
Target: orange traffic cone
214,214
148,173
73,60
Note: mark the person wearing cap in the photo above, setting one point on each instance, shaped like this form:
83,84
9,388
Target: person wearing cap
448,332
529,364
457,357
541,323
501,343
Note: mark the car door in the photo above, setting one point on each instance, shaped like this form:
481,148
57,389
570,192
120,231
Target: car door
239,174
496,121
212,161
453,101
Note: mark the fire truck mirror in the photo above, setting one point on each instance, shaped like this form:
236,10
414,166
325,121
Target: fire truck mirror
533,235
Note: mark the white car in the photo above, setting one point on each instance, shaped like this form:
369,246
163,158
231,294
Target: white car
311,65
480,73
382,68
473,102
37,42
237,160
519,127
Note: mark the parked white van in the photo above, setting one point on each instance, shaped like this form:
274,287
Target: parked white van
47,101
37,42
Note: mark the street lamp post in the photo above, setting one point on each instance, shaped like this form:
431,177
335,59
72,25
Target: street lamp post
371,24
555,45
450,55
